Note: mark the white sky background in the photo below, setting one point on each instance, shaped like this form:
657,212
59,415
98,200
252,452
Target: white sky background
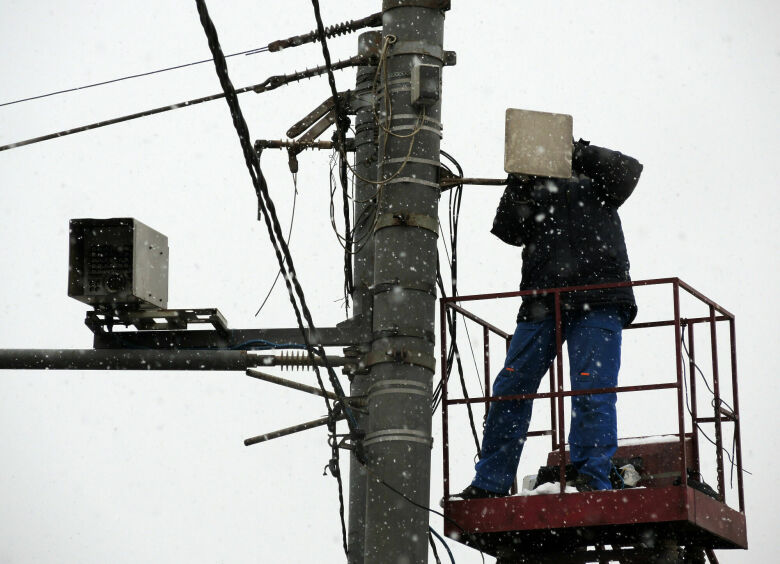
141,467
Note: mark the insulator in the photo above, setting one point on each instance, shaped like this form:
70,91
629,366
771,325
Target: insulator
289,360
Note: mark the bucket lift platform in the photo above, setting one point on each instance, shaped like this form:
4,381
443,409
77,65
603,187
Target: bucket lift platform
670,517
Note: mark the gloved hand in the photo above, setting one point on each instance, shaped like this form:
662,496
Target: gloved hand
576,156
521,184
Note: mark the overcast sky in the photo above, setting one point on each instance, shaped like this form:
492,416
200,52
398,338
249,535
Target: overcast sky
150,467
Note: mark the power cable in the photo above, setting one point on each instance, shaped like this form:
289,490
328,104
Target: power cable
350,26
433,546
128,77
729,455
342,124
289,236
268,212
442,541
270,83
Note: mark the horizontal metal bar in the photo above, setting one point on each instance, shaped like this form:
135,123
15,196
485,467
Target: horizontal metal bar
112,359
290,430
551,291
253,373
456,181
695,293
538,433
712,419
683,321
547,395
176,339
479,320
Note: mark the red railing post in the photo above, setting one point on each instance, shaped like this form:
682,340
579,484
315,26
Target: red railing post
680,399
553,414
559,364
716,392
737,420
694,408
444,427
486,352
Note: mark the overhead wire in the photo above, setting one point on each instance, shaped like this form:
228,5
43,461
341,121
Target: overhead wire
342,123
268,213
128,77
289,236
271,83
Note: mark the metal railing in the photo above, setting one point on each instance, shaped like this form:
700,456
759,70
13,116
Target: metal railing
557,393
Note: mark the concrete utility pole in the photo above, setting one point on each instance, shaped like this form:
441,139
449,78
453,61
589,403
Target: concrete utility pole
401,361
363,269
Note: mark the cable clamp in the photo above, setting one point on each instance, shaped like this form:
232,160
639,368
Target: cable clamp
432,4
398,285
405,435
405,219
410,387
410,180
403,356
412,332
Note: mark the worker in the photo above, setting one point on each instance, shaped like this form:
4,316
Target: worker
571,235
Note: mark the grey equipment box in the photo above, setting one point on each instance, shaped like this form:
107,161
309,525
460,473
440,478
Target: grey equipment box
118,262
538,143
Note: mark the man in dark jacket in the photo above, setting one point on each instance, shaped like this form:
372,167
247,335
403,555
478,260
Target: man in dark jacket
571,236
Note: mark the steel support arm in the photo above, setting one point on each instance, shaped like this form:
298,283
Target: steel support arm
135,359
235,338
112,359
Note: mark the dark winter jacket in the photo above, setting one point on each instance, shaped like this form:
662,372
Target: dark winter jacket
571,233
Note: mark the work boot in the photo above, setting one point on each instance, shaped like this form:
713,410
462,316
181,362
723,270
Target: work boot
474,492
582,483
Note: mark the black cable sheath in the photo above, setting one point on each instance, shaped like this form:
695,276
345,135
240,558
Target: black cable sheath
113,80
341,133
268,211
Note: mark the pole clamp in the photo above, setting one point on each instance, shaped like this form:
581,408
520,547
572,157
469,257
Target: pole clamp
432,4
406,219
412,332
405,435
405,356
397,284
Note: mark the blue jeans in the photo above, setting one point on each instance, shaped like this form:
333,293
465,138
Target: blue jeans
594,339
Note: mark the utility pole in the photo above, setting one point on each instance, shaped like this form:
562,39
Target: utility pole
401,362
363,268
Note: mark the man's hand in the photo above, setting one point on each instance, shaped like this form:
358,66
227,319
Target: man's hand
576,156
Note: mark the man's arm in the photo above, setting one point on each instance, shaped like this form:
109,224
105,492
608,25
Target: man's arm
614,174
513,223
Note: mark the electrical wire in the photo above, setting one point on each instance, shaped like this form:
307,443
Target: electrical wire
342,124
433,546
289,236
128,77
442,541
453,354
271,83
268,213
730,456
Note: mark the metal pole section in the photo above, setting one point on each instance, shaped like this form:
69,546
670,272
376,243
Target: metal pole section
150,359
363,269
112,359
398,442
290,430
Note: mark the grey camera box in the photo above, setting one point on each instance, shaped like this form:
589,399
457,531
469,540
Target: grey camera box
118,262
